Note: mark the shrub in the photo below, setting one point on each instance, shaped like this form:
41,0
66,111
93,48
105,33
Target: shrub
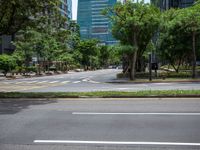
175,75
7,63
32,69
145,75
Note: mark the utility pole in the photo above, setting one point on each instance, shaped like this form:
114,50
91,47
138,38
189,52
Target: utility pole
150,68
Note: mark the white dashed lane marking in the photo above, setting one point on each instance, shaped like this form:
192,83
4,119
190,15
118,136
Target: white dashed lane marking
64,82
41,82
32,82
54,82
48,82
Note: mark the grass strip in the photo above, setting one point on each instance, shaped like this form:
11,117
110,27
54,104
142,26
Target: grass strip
104,94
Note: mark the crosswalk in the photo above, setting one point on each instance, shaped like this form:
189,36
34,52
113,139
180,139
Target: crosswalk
51,82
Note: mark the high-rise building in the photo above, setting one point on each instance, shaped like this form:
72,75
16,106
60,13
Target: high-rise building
6,45
66,8
167,4
69,8
91,21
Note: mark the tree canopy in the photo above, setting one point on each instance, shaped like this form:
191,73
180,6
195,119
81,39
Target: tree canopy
134,24
17,14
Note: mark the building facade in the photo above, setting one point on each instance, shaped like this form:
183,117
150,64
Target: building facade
6,45
167,4
91,21
66,8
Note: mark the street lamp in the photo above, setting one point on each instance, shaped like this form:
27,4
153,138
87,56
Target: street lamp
150,67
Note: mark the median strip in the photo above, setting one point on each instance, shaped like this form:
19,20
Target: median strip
104,94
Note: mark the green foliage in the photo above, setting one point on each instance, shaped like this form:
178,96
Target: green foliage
175,75
89,53
47,41
134,24
180,29
173,46
18,14
7,63
103,94
109,55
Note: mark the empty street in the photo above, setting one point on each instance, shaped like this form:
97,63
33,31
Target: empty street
100,124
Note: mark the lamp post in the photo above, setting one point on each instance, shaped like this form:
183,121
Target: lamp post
150,67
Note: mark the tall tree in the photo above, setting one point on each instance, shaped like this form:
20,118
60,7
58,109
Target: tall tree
17,14
173,46
189,21
89,52
134,24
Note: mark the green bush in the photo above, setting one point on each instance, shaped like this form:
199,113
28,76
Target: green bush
145,75
175,75
7,63
139,75
122,75
32,69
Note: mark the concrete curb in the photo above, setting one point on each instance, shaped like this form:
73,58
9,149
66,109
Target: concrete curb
104,97
132,82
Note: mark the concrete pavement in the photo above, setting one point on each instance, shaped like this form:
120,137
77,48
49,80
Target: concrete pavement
100,124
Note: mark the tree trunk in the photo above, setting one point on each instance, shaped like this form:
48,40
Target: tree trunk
194,55
133,63
133,59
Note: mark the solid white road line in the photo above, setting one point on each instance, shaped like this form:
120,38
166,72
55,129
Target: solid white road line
117,142
76,82
167,114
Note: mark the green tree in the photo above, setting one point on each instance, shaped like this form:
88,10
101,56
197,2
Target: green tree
180,30
47,41
134,24
173,45
89,51
190,23
18,14
104,56
7,63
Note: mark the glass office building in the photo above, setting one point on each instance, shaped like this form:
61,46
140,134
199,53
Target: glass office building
91,21
66,8
69,8
167,4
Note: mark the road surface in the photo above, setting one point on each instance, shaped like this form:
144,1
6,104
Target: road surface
86,82
100,124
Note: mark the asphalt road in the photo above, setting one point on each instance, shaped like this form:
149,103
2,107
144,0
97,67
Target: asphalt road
85,82
100,124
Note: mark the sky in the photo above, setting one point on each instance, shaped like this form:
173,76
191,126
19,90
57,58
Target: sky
74,8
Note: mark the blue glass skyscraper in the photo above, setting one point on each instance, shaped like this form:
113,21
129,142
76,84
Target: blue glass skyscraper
167,4
66,8
69,8
91,21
